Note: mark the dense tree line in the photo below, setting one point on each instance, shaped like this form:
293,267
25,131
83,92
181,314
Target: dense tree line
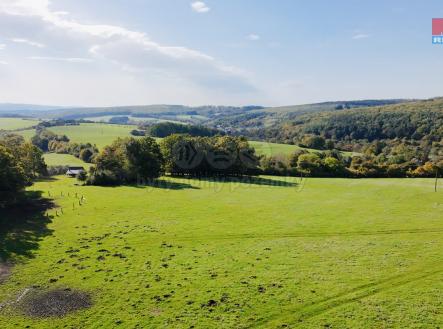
397,138
165,129
47,141
57,122
208,156
20,163
127,160
332,163
131,160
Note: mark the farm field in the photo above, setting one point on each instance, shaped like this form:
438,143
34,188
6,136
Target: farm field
271,253
270,149
103,134
100,134
16,123
54,159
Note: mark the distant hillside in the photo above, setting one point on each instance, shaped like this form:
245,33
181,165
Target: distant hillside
227,117
330,106
144,111
24,109
410,120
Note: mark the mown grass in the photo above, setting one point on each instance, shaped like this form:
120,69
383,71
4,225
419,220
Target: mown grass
95,133
333,253
273,149
100,134
54,159
269,149
16,123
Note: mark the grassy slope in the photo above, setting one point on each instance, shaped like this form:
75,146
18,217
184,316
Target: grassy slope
105,134
99,134
331,106
16,123
53,159
95,133
274,149
285,149
342,253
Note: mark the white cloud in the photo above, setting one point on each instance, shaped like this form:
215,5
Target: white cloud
253,37
200,7
2,46
360,36
3,63
28,42
62,59
176,73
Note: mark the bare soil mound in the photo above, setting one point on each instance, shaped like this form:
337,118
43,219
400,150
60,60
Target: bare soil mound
55,303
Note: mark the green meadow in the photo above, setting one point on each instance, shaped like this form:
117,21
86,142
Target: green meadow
95,133
267,253
103,134
100,134
54,159
16,123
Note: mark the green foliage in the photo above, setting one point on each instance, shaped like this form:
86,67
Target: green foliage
87,154
165,129
309,164
20,164
126,161
82,176
27,155
393,141
44,137
144,157
314,142
208,156
12,177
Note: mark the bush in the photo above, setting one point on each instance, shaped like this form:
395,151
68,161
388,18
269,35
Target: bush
57,170
103,178
209,156
165,129
126,161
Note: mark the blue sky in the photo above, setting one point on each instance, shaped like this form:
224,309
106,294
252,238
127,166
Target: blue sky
231,52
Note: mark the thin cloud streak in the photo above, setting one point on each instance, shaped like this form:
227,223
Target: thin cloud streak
62,59
28,42
361,36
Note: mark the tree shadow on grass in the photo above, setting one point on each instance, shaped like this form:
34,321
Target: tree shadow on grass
22,227
165,184
248,180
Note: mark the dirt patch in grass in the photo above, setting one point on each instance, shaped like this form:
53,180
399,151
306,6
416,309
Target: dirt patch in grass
5,271
55,303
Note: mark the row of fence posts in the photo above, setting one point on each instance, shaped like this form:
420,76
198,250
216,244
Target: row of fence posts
58,212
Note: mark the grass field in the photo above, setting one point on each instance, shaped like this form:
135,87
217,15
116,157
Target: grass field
16,123
103,134
329,253
99,134
53,159
274,149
